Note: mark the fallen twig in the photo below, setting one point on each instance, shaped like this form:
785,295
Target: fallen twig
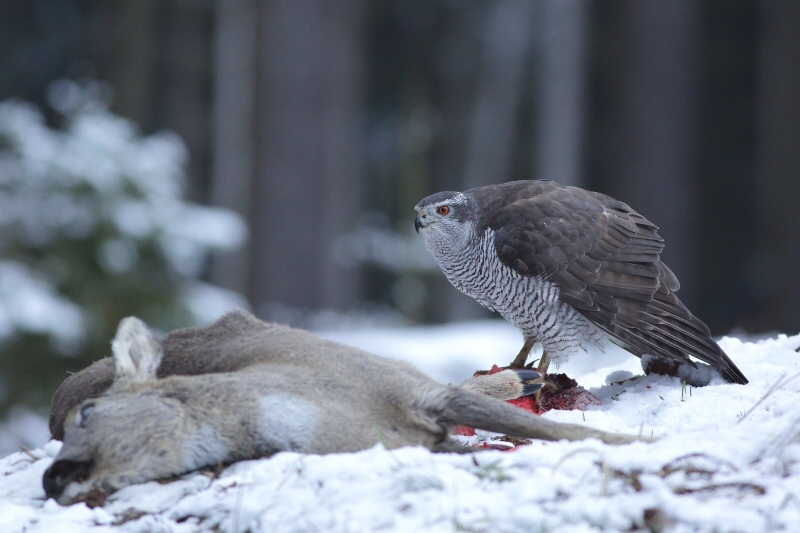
30,454
779,383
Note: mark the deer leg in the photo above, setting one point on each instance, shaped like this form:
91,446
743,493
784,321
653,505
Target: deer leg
522,356
463,407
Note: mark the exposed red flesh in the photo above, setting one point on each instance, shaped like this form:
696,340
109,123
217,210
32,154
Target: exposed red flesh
560,392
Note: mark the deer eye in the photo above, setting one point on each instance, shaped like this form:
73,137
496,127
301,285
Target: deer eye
443,209
86,410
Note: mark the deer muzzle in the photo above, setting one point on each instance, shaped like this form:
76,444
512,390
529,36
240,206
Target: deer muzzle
63,472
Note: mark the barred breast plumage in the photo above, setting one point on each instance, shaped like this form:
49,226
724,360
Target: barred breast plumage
566,265
531,304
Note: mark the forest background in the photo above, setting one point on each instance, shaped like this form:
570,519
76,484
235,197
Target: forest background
174,158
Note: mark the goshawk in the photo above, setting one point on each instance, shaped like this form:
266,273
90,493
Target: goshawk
565,266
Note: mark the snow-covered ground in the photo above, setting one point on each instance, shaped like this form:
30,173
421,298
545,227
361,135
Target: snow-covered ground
728,459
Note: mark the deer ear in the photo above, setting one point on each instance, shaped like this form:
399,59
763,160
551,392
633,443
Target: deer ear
137,352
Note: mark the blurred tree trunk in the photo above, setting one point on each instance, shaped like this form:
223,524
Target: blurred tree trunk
233,132
308,165
162,73
458,64
561,106
136,65
185,81
507,47
497,98
646,133
778,166
726,145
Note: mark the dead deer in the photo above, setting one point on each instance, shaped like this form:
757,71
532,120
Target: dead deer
242,389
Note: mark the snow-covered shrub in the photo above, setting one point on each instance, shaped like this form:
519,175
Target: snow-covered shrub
94,227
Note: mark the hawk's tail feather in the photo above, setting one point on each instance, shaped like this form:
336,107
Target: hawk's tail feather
664,326
659,341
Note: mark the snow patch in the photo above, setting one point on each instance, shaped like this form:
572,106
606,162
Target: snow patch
30,303
728,459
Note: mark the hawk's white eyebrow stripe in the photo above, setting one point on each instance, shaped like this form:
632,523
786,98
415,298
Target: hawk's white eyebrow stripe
458,199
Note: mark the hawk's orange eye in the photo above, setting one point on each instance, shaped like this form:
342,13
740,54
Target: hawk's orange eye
443,210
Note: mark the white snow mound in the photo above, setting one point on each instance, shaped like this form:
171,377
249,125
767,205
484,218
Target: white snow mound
728,459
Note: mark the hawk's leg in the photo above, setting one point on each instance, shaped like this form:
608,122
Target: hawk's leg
544,363
522,356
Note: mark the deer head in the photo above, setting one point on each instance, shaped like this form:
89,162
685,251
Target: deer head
127,435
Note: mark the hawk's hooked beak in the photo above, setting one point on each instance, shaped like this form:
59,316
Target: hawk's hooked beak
417,223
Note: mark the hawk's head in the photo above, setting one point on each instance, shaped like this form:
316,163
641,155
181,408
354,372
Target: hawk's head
445,217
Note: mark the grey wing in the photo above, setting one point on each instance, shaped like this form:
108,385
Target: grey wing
604,257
